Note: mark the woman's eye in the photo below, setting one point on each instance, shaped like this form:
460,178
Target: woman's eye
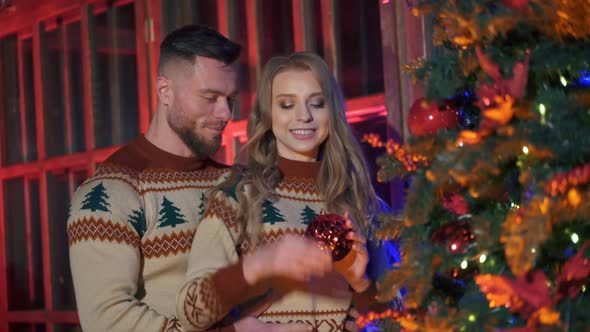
286,105
318,104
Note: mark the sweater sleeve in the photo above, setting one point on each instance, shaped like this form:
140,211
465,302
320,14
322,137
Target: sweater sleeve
105,259
215,282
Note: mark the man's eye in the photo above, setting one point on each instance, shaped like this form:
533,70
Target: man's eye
211,99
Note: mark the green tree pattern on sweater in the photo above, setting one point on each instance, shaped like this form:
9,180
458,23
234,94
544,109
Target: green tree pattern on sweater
271,214
170,215
96,199
308,215
137,220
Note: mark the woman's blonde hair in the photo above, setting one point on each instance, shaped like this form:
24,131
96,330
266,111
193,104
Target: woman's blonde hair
344,178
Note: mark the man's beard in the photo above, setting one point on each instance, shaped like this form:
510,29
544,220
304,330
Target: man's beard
199,146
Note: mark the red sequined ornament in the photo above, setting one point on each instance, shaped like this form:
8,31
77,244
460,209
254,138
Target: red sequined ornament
428,117
457,236
330,231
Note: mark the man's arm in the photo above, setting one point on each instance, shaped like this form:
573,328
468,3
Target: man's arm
105,260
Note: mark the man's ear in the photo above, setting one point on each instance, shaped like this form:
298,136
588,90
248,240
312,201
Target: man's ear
164,90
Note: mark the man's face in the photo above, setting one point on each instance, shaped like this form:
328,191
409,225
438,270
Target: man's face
202,104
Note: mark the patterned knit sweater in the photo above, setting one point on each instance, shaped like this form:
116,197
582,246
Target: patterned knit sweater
130,231
215,282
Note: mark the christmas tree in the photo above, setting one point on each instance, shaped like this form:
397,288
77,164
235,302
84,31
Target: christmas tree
137,220
496,225
96,199
170,215
270,214
308,215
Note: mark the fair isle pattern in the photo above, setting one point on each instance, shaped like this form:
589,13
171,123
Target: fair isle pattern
131,182
201,291
162,181
268,237
172,325
109,169
208,175
323,313
324,325
86,229
300,189
224,210
168,245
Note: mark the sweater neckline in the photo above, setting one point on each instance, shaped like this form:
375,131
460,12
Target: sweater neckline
164,159
296,168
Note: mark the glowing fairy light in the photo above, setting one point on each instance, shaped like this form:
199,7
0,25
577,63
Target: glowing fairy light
482,258
525,149
533,250
464,264
472,318
453,247
575,238
563,81
542,109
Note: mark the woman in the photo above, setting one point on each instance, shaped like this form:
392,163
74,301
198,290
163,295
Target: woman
302,159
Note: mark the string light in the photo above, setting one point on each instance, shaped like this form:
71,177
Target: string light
575,238
563,81
533,250
464,264
542,109
453,247
472,318
525,149
482,258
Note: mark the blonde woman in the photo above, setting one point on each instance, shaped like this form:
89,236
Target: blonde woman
302,158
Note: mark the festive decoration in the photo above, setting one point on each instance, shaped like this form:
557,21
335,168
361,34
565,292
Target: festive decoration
516,4
455,203
574,274
456,235
561,182
514,87
498,209
411,162
330,231
428,117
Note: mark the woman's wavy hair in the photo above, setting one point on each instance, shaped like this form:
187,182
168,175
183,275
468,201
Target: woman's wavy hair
344,179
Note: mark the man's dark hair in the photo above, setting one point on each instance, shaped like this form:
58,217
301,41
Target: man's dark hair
197,40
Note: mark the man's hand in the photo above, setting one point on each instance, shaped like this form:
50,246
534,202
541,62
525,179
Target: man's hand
252,324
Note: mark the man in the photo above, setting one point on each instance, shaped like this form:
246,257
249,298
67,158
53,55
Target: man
132,223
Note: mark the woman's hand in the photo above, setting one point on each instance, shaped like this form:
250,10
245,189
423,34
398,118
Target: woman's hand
355,272
291,257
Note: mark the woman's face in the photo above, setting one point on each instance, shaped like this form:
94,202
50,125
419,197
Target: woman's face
300,117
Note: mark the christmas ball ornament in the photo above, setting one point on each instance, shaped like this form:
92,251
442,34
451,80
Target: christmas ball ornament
516,4
457,236
427,118
330,230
